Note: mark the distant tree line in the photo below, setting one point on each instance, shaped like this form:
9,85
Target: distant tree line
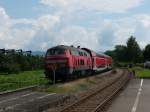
15,61
130,53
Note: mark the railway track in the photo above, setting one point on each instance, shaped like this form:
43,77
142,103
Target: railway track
95,101
34,87
24,99
12,100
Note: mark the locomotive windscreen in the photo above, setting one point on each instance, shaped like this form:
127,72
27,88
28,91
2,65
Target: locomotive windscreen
55,51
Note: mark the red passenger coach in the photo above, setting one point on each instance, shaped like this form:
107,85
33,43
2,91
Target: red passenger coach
68,61
100,61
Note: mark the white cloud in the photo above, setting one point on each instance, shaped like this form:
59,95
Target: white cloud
14,34
78,36
5,25
4,17
99,5
11,37
145,19
136,25
46,22
56,2
62,27
4,22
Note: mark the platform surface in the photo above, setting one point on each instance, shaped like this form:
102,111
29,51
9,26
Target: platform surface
135,97
27,101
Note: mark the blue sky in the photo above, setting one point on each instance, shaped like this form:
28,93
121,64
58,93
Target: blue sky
20,8
96,24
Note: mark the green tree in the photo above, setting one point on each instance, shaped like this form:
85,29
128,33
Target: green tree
134,53
146,53
16,62
121,52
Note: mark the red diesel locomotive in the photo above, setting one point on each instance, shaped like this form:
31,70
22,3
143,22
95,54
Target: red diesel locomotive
68,61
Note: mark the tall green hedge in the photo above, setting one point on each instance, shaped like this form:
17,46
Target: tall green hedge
15,63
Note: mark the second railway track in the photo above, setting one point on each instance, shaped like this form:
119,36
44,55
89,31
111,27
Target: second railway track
95,101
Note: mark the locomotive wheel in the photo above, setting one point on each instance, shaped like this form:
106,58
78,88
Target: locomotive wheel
78,74
66,77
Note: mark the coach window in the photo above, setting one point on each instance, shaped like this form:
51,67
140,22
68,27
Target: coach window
81,53
70,52
77,53
84,54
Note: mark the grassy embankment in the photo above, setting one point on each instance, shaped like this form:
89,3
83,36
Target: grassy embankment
141,72
24,79
73,86
29,78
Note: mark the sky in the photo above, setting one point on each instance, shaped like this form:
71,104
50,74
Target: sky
96,24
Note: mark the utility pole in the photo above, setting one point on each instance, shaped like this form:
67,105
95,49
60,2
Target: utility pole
54,67
54,77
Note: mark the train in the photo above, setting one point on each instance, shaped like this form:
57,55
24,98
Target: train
65,62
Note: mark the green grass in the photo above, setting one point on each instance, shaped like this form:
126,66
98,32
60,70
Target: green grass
57,89
71,87
141,72
24,79
145,73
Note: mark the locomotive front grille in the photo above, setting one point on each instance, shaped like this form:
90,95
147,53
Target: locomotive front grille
56,64
56,61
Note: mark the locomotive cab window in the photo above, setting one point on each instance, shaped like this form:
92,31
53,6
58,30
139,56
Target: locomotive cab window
74,52
55,52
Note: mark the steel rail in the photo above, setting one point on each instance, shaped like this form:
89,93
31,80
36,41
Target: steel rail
110,96
81,101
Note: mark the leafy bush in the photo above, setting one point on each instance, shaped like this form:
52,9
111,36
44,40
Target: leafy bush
15,63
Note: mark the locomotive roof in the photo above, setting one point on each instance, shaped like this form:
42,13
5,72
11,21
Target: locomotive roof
79,49
68,47
102,54
98,54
